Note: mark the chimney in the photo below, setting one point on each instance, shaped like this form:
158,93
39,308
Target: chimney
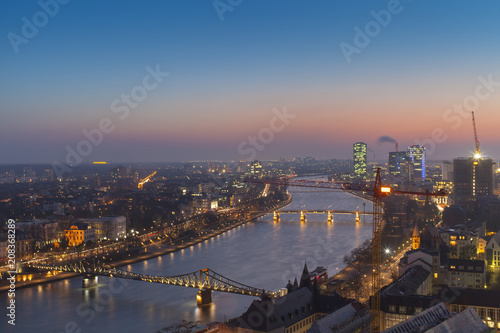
396,146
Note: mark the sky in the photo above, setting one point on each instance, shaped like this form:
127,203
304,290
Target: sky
181,80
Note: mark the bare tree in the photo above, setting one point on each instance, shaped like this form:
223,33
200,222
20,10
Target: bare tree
359,257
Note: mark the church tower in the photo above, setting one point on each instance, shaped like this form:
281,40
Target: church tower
416,238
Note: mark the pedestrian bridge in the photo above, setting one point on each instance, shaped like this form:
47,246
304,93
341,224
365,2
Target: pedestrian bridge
327,211
206,280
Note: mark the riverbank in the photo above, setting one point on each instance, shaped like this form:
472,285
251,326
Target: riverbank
360,195
160,250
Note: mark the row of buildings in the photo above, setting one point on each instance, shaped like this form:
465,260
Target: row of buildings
409,164
52,232
302,309
468,178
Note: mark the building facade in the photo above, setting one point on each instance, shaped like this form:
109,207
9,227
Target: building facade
360,160
416,156
398,164
109,227
466,274
79,234
492,252
484,302
472,178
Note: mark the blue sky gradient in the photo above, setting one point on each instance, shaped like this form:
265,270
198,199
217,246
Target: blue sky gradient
227,76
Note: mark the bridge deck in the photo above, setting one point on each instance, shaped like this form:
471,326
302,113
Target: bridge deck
333,211
202,279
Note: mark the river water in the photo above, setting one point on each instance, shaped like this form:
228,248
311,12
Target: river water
261,254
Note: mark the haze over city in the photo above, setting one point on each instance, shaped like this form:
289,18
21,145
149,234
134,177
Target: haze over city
228,69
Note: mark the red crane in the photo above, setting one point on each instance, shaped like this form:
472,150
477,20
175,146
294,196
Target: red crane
378,192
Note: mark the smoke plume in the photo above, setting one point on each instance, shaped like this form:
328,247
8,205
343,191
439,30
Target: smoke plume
386,138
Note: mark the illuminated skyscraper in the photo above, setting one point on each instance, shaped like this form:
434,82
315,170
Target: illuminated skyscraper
359,157
256,168
472,178
398,163
416,155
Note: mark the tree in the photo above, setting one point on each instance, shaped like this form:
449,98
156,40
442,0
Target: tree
359,257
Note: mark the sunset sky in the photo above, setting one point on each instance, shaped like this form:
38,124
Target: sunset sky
226,77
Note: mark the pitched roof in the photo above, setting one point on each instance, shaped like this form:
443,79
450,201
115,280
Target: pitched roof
495,238
408,283
305,278
287,310
472,297
415,231
342,320
466,321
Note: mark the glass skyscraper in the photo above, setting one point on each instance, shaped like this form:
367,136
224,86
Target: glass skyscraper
416,154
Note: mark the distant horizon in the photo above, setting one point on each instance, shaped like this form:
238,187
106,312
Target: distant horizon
222,161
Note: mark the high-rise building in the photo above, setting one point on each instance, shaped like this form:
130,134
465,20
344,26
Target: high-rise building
359,157
447,171
472,178
416,155
256,168
398,163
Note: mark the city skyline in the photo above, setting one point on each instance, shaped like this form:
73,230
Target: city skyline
230,72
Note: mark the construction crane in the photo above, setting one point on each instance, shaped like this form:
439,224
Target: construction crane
476,140
379,192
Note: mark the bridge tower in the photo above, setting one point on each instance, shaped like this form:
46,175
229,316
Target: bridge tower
89,280
330,216
204,297
302,216
357,216
276,217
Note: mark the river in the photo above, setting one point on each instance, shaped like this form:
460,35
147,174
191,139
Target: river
261,254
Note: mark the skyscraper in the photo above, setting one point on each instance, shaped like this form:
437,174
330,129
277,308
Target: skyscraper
398,164
256,168
472,178
359,157
416,155
447,171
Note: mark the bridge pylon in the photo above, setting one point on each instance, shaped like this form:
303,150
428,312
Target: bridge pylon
89,280
357,216
276,217
302,216
330,216
204,297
